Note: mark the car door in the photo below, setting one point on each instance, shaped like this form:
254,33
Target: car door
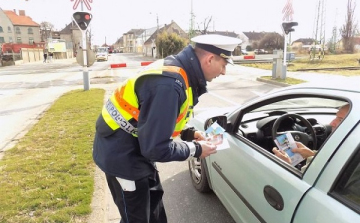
252,186
256,186
336,195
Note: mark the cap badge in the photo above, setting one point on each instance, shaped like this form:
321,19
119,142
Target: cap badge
225,56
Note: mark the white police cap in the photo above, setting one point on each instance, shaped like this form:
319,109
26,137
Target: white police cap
217,44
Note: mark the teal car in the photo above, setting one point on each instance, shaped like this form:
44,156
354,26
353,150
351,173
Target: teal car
255,185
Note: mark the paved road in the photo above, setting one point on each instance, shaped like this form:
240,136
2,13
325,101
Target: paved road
27,90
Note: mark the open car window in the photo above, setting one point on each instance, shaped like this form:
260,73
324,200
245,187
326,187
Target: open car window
310,113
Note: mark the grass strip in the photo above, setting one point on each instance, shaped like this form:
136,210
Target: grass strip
49,175
287,80
329,61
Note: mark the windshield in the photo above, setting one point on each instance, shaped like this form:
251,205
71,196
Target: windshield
299,103
102,50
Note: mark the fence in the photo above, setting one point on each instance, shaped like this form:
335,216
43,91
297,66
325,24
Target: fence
31,55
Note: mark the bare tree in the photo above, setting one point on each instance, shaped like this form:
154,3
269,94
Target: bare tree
206,23
271,41
46,29
349,28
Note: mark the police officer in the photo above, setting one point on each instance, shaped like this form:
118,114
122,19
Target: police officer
139,121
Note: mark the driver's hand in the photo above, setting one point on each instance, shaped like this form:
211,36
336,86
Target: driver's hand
282,155
304,151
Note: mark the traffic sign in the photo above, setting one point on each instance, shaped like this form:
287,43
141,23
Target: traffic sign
90,56
86,2
288,11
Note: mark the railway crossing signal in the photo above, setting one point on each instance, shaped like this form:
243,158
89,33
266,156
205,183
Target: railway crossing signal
288,27
82,20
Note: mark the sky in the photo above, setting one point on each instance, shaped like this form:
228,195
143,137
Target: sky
113,18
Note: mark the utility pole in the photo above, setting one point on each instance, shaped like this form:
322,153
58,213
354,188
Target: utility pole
157,22
319,31
191,28
334,34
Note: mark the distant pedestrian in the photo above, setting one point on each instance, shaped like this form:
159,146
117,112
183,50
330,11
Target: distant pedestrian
45,57
50,56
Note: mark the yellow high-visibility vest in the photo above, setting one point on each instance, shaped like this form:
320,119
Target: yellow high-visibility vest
123,104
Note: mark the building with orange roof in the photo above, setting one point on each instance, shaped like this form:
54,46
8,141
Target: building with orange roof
18,28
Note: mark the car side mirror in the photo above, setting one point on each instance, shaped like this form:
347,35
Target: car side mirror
221,120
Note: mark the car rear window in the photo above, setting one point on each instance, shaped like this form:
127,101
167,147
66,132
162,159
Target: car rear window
347,188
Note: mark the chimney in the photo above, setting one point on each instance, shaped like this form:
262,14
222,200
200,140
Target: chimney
22,12
14,11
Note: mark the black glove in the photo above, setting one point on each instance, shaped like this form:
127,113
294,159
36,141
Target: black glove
188,134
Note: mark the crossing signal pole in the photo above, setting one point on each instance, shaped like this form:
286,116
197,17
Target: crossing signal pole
82,20
287,27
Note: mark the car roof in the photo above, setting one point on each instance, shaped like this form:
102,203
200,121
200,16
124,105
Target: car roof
350,84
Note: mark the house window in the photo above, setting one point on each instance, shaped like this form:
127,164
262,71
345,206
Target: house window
2,40
9,29
31,40
18,40
1,29
30,31
10,39
18,30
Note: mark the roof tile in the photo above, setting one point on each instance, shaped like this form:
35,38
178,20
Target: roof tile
19,20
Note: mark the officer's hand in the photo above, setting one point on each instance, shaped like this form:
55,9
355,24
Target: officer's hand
199,136
207,148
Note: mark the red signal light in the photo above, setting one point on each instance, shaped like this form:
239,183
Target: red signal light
87,17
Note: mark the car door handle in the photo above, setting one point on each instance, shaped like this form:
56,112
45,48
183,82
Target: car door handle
273,197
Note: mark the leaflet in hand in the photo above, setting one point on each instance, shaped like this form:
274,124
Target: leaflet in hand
286,143
215,134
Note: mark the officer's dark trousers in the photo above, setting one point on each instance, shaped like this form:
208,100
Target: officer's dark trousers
144,205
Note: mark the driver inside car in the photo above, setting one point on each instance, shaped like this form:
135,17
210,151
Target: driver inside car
304,151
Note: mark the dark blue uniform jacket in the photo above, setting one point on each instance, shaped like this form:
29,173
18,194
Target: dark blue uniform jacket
120,154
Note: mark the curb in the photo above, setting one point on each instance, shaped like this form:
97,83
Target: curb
272,82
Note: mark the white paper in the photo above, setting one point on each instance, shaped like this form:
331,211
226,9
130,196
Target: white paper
286,143
215,135
126,185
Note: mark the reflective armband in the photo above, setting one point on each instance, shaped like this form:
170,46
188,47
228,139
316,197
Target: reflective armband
192,148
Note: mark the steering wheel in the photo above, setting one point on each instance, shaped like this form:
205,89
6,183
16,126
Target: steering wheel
297,135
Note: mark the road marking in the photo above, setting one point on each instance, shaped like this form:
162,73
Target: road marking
257,93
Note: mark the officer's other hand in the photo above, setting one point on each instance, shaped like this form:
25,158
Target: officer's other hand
207,149
199,136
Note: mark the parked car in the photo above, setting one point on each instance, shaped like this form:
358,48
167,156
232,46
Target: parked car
244,52
254,185
260,51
